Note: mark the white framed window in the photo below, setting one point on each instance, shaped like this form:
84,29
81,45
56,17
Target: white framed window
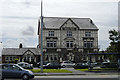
55,57
69,33
88,44
51,33
87,34
10,58
69,44
51,44
51,56
6,58
46,57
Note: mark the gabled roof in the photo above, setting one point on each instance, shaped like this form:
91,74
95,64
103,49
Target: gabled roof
19,51
57,22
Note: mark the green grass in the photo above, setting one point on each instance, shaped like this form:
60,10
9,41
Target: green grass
35,70
51,71
99,69
82,69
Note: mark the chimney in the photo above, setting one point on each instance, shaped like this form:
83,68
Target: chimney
20,46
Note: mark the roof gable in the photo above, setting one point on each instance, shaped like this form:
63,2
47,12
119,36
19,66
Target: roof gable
28,52
69,24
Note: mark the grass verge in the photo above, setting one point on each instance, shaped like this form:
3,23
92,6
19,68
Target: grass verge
99,69
51,71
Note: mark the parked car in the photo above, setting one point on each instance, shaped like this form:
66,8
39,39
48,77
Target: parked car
25,65
80,66
67,64
15,71
44,63
109,65
53,65
95,64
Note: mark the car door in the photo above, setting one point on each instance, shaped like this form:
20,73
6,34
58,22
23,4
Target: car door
14,71
5,71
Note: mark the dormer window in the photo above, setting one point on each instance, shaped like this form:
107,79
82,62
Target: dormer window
87,34
51,33
69,33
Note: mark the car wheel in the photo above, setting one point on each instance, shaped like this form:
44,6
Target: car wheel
25,77
63,66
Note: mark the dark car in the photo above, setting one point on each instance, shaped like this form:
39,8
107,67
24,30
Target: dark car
44,63
80,66
15,71
109,65
52,66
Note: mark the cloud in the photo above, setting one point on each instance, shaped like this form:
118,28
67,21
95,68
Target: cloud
103,44
14,42
29,31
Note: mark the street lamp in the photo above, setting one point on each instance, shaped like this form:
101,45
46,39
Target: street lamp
41,46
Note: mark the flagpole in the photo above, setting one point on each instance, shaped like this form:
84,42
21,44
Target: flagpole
41,65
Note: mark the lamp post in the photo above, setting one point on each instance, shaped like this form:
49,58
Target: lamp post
41,46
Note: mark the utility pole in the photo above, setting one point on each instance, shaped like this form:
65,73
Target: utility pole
41,47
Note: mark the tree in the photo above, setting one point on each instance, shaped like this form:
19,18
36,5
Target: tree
113,36
114,44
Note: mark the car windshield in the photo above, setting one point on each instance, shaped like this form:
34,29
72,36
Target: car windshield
19,66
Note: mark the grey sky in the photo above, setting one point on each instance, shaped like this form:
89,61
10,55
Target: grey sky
19,18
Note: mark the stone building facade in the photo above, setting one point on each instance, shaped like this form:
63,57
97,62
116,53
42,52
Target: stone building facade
68,39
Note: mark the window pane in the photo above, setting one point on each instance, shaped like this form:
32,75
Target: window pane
55,57
51,44
46,57
69,33
87,34
51,58
51,33
88,44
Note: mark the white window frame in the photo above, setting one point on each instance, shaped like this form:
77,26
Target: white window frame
6,58
88,43
51,33
69,44
51,55
87,34
51,44
69,33
12,58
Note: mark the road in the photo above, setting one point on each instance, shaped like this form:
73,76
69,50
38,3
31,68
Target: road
76,77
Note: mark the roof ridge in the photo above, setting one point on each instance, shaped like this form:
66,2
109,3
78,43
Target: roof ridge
66,17
21,48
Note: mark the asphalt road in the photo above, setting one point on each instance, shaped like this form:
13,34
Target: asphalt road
69,79
79,77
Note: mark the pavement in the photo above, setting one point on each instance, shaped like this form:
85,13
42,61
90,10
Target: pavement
76,77
77,72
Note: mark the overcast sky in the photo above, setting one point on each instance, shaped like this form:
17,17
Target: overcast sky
19,18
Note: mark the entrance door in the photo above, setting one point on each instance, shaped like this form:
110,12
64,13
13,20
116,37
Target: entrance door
70,56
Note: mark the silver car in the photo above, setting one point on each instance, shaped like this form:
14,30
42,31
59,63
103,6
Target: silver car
67,64
25,65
